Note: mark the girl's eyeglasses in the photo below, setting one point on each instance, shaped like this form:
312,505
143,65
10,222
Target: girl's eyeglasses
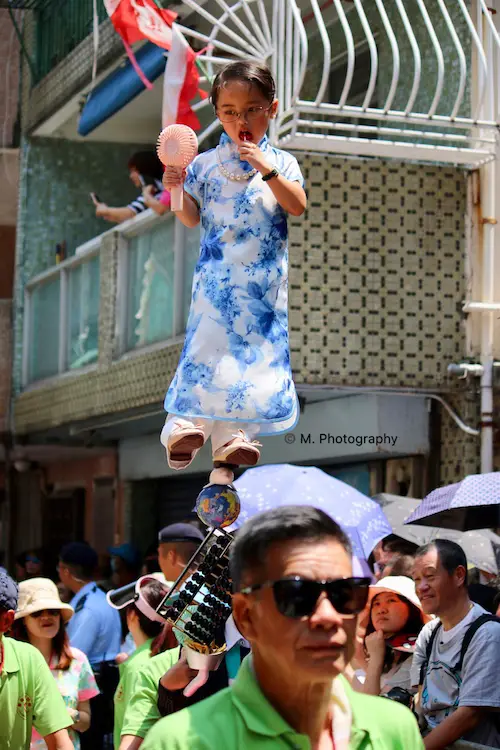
252,113
50,612
298,597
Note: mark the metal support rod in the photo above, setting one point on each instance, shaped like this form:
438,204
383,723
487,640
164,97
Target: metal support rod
481,306
489,230
487,418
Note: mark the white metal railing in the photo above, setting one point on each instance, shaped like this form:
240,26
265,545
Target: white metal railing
61,317
156,259
431,92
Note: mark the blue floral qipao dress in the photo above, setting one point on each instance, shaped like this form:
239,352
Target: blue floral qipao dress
235,364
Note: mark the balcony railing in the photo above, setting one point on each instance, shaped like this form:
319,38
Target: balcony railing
155,266
61,317
385,78
156,258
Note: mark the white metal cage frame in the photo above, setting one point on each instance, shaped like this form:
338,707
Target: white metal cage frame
434,68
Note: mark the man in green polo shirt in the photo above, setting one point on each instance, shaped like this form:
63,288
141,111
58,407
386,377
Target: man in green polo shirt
296,602
29,696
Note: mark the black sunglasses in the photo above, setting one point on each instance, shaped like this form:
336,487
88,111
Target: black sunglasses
51,612
298,597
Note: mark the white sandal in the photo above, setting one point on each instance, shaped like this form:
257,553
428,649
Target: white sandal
239,451
183,441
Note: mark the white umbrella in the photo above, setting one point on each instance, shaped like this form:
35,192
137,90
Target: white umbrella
482,548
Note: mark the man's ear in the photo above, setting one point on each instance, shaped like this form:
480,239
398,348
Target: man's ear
274,109
460,574
6,620
243,616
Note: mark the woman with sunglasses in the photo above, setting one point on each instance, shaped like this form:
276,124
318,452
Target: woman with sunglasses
396,618
40,620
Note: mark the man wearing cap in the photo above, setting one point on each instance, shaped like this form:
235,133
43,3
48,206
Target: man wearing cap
125,564
177,544
29,696
95,629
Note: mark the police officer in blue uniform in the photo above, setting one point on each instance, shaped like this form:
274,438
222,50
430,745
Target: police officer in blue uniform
95,629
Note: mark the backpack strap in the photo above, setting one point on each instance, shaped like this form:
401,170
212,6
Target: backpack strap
428,652
469,635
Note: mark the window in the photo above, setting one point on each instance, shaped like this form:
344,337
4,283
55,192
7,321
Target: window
62,318
83,319
150,273
44,330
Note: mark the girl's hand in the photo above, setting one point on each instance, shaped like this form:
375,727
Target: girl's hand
375,646
173,177
251,153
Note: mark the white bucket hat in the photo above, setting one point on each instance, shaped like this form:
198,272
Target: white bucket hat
37,594
400,585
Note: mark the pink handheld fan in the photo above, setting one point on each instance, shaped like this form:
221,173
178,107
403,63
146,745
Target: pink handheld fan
177,146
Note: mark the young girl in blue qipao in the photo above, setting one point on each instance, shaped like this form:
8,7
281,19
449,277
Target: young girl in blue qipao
234,379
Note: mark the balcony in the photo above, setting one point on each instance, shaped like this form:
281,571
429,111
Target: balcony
383,78
65,306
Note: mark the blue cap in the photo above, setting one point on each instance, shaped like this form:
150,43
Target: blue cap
180,532
8,592
79,553
128,553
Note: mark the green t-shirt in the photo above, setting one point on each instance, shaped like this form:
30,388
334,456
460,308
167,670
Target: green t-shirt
126,686
241,717
29,697
141,713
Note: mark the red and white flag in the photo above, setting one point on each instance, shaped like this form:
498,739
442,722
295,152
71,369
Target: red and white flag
142,19
135,20
180,84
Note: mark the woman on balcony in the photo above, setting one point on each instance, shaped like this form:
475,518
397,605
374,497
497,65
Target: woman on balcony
146,172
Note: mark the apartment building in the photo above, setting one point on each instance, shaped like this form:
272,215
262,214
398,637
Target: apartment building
392,116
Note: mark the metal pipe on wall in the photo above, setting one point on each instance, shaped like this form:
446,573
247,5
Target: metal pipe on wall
488,174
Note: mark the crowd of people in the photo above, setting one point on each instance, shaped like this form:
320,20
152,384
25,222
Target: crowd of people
315,657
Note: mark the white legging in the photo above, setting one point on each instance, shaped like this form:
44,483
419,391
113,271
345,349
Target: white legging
220,433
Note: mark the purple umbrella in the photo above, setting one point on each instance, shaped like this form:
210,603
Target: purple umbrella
267,487
473,503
